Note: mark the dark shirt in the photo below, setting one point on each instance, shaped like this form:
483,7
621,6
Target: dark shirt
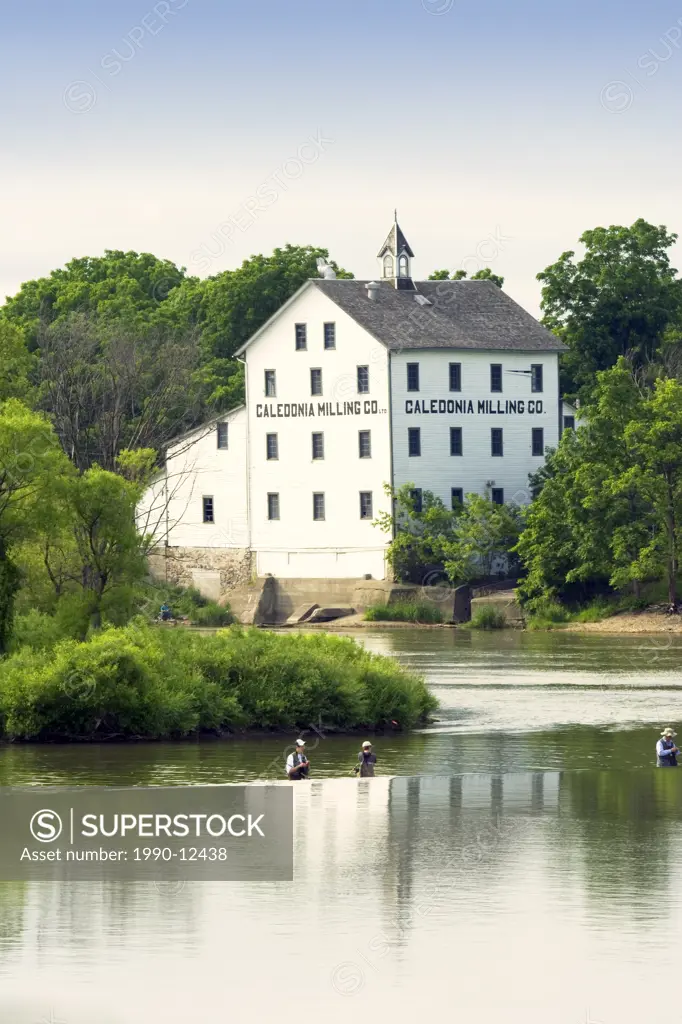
367,762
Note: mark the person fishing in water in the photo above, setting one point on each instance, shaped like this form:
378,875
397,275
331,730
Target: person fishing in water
298,765
666,751
366,762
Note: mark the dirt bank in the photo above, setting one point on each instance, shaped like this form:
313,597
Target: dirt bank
631,622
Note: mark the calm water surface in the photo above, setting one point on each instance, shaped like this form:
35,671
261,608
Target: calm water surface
520,858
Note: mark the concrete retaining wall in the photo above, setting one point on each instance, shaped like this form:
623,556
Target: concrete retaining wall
505,602
212,571
272,601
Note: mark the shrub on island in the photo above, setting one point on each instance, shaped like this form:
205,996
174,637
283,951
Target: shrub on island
146,683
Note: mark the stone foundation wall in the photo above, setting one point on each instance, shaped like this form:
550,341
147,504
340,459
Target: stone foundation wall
211,570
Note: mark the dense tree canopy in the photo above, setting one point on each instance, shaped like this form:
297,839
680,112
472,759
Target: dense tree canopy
610,506
620,299
31,463
125,286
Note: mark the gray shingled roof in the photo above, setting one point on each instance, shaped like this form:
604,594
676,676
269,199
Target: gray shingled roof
462,314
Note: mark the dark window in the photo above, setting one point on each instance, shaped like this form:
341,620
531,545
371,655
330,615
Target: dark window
273,506
455,376
413,376
318,446
416,496
316,382
271,446
457,496
365,504
363,380
222,435
496,376
270,384
301,337
318,506
402,266
538,441
208,510
536,377
365,444
414,441
497,495
330,336
455,440
496,447
569,422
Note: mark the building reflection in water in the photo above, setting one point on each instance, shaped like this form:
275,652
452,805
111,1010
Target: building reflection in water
390,875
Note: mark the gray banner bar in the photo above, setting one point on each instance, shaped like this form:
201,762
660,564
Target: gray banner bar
147,834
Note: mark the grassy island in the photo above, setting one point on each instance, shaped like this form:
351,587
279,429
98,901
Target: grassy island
147,682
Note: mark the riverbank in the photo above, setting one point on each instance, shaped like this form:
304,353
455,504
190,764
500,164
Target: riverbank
646,621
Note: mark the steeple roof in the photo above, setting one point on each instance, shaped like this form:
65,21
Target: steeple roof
395,243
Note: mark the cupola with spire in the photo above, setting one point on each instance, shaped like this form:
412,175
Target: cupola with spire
396,256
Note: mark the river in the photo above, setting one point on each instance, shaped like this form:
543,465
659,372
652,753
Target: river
521,858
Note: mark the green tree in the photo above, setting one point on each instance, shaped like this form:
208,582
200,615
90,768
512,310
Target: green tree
466,540
606,514
31,460
619,299
420,527
119,285
485,274
655,473
91,547
484,533
108,385
17,364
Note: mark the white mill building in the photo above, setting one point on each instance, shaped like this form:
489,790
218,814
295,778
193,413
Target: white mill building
447,385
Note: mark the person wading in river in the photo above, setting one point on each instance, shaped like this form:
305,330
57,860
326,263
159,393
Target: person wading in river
298,765
666,751
367,760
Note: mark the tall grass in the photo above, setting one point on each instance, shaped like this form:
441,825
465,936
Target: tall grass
547,615
488,617
142,682
405,611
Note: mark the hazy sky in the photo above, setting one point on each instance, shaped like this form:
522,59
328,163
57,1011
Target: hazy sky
207,130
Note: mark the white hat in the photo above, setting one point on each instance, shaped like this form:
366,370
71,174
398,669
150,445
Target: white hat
300,743
367,744
668,732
